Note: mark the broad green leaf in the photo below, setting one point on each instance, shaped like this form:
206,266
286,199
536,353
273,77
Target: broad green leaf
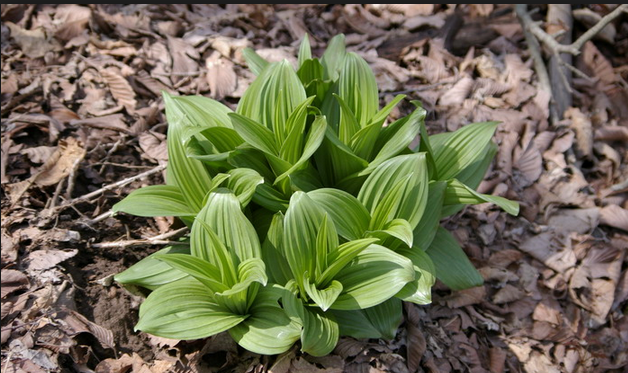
311,74
248,157
350,217
398,228
268,330
205,243
223,214
336,161
301,223
462,148
379,321
203,271
453,267
358,88
363,142
270,198
155,200
184,310
320,332
243,182
339,258
323,298
406,201
190,175
305,51
152,273
272,96
256,63
292,147
202,111
380,116
215,145
349,124
272,252
255,134
314,139
458,193
373,276
418,291
333,57
240,297
326,243
473,174
426,229
396,138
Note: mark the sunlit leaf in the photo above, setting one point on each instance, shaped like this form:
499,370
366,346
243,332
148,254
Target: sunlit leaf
155,200
453,267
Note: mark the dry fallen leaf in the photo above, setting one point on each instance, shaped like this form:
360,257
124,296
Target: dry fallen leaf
13,280
221,77
40,260
465,297
583,128
575,220
39,154
614,216
551,249
60,164
76,323
120,89
34,43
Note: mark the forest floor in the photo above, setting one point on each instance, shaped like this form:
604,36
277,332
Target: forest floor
81,111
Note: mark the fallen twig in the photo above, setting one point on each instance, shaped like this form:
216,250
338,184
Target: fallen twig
162,239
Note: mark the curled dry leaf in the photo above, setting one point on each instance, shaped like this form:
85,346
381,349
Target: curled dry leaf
457,93
60,164
614,216
413,23
530,164
594,63
183,58
13,280
583,128
612,133
221,76
73,20
120,89
39,154
415,338
154,145
77,323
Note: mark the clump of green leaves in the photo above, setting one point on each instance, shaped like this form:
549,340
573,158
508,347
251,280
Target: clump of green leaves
310,218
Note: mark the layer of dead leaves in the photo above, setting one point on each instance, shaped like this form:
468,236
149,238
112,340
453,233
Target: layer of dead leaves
81,108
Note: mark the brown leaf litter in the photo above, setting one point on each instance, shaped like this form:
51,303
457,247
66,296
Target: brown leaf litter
81,109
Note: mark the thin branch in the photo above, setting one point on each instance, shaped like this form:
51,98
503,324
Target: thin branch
573,48
162,239
534,47
599,26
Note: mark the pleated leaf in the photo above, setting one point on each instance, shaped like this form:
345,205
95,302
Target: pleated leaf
320,332
255,134
341,257
462,148
323,298
373,276
426,229
397,189
152,273
243,182
268,330
453,267
205,272
358,89
189,174
458,193
380,321
273,254
184,310
396,138
312,142
256,63
155,200
333,57
418,291
350,217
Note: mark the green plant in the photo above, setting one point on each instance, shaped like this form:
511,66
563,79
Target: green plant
348,215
